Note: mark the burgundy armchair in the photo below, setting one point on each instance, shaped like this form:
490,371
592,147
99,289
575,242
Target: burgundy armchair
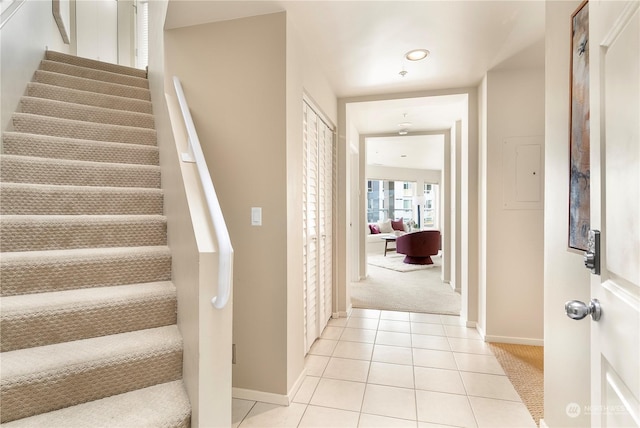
418,247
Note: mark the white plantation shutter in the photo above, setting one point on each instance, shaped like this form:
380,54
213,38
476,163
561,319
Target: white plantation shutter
142,34
317,223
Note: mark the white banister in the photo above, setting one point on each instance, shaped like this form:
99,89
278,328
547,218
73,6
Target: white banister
225,250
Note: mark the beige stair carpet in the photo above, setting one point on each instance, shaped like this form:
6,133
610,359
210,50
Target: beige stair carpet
88,310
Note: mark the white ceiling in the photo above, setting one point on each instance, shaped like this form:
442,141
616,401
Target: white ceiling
361,45
417,152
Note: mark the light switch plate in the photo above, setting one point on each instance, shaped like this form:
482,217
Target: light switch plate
256,216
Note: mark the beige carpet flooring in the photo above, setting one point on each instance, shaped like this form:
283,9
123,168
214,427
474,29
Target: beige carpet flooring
414,291
524,366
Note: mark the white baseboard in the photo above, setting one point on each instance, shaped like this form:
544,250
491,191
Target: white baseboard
263,397
514,340
340,314
269,397
296,386
471,324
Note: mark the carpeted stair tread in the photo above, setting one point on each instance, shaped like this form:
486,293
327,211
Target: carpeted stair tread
58,270
93,73
26,169
45,232
40,319
44,125
88,312
40,199
45,146
91,63
69,95
46,378
66,110
160,406
90,85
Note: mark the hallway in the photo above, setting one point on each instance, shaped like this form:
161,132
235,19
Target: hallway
396,369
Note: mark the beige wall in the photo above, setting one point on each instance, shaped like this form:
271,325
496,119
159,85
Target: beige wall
513,238
206,331
248,113
238,106
566,353
23,41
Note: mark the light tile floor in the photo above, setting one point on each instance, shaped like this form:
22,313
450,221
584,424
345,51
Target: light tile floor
396,369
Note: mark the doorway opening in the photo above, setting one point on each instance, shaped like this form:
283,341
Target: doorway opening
404,185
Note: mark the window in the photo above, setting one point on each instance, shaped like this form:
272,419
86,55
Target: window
389,199
430,216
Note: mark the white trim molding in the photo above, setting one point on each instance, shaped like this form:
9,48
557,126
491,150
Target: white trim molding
515,340
269,397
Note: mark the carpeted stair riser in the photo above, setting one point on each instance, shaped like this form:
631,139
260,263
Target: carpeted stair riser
43,125
65,110
92,73
48,318
41,233
36,199
44,146
89,85
161,406
45,271
58,93
23,169
87,370
90,63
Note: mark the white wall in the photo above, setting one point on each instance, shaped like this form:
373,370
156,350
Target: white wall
566,358
456,207
482,208
419,176
513,243
23,41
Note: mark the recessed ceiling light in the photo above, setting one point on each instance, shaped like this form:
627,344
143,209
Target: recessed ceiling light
404,124
403,132
416,54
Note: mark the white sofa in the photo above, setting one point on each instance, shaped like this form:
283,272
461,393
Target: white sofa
375,242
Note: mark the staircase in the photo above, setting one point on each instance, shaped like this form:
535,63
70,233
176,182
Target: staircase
88,309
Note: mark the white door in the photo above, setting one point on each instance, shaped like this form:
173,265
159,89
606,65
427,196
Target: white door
325,224
310,230
97,29
615,211
317,224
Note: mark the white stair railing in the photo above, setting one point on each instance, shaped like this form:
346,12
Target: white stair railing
225,250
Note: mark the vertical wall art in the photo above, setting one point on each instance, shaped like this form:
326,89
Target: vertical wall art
579,186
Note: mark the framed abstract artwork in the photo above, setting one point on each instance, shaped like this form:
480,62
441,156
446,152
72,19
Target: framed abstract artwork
579,158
